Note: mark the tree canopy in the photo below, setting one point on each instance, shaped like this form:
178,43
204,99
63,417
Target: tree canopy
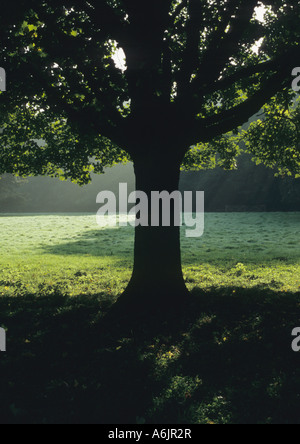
195,71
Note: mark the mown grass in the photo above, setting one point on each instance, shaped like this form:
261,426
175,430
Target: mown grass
227,360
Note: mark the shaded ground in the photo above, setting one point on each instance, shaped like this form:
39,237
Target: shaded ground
227,360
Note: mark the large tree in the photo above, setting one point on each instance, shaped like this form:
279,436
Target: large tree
196,70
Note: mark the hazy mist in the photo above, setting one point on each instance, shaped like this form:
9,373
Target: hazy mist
250,188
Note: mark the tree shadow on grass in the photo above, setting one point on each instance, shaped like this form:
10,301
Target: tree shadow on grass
228,359
116,242
119,243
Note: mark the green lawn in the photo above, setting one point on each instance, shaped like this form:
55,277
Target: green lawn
228,359
237,249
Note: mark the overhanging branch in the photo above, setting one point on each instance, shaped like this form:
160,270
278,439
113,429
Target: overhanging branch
190,58
229,120
219,52
244,73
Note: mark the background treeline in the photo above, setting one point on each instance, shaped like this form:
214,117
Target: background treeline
249,188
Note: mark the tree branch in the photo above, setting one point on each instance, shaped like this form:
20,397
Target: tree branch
144,51
106,18
190,59
219,53
227,13
244,73
229,120
176,13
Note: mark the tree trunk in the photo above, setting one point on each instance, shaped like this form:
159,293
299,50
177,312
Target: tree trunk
157,282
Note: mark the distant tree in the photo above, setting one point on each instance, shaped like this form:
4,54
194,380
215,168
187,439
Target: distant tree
195,72
8,186
12,198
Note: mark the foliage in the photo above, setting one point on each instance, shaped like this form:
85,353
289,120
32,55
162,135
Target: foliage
274,139
207,68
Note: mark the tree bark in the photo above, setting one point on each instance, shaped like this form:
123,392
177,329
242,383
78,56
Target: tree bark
157,282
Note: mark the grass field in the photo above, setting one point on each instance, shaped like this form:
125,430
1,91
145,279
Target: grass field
237,249
229,360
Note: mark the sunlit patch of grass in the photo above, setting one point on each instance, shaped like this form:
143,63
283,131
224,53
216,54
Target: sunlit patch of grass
245,250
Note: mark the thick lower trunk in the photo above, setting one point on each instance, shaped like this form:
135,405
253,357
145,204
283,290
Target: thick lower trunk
157,281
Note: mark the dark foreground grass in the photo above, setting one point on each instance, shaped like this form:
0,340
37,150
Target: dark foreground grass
227,360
